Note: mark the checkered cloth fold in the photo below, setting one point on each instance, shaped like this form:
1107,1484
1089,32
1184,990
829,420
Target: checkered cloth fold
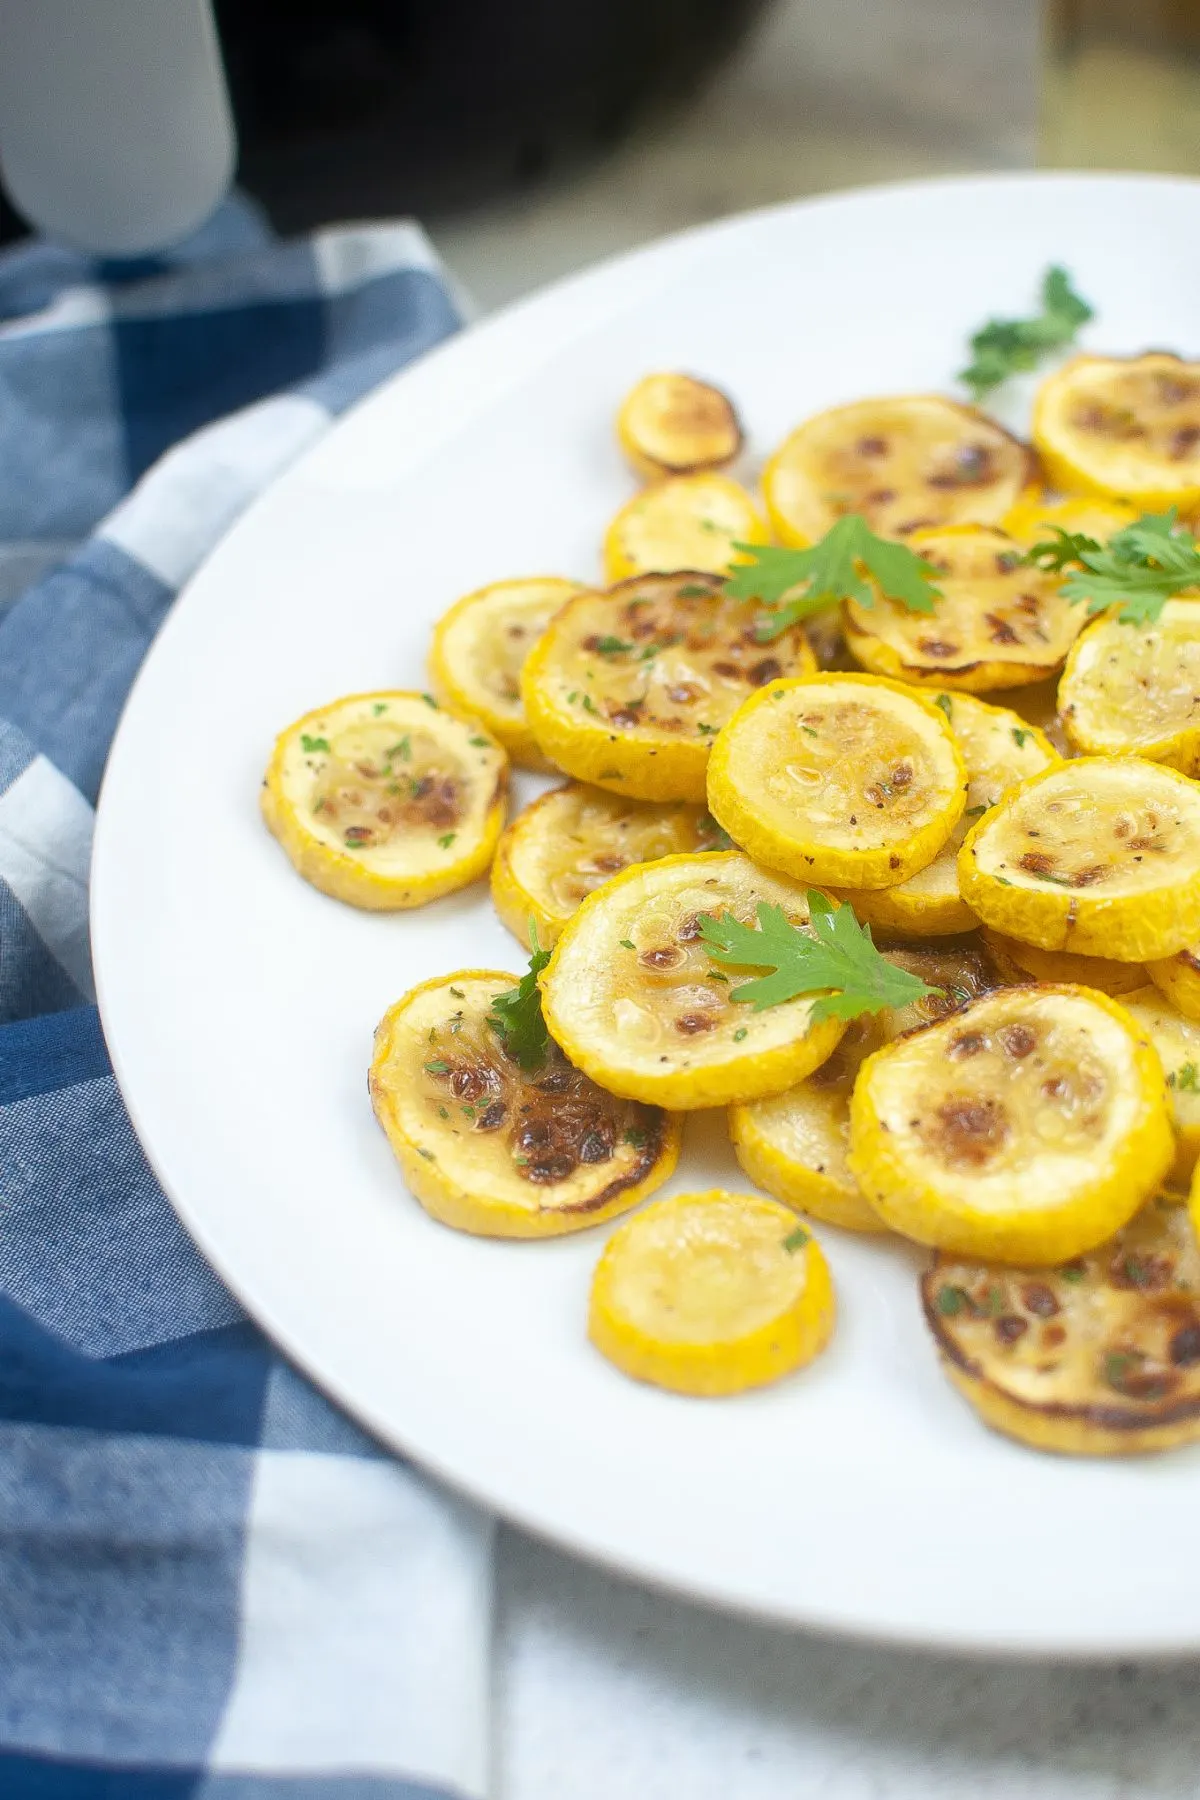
211,1583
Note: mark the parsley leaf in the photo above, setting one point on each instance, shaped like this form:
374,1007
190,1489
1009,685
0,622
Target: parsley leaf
829,570
1140,567
516,1015
1003,346
1186,1078
795,1240
313,746
836,952
611,646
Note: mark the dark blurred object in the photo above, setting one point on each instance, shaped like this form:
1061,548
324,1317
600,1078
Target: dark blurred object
359,107
1121,85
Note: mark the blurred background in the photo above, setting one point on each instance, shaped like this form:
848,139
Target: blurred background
532,136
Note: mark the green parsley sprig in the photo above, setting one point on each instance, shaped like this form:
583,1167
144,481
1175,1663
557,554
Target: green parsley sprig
1003,346
516,1015
828,571
1139,569
835,953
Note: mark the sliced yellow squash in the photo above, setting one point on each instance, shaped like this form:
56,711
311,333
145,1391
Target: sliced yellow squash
386,800
904,461
1100,856
1034,517
1128,426
671,424
710,1294
479,649
1025,962
1100,1357
1025,1128
493,1149
1134,690
841,779
573,840
633,997
687,522
628,689
999,749
998,623
795,1144
1178,977
1177,1040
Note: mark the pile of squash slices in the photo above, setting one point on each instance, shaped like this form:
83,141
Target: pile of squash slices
992,802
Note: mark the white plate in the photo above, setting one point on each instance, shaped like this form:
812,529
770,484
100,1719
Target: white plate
861,1496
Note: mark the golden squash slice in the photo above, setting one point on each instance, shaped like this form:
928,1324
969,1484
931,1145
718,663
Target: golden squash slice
1025,962
497,1150
1026,1128
628,689
795,1144
479,649
633,997
1177,1040
1035,516
997,624
671,424
1099,1357
999,749
1134,690
1100,856
386,800
904,462
574,839
840,779
687,522
711,1294
1128,426
1178,977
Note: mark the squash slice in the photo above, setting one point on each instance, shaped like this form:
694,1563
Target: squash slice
840,779
795,1145
1028,1127
711,1294
573,840
386,800
998,623
1127,426
1025,962
1034,517
479,649
1177,1040
999,749
633,997
1100,1357
904,461
687,522
672,424
1134,690
628,689
496,1150
1100,856
1178,977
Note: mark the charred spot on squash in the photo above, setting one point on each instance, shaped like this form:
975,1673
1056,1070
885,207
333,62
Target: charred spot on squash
967,1129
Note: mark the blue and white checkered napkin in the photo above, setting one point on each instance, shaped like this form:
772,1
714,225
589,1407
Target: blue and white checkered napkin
211,1584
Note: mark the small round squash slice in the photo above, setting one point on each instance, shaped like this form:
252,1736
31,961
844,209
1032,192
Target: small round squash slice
1025,962
1178,977
386,800
1100,856
999,749
672,424
841,779
479,649
997,623
1099,1357
1177,1041
903,462
795,1144
633,997
496,1150
1127,426
573,840
628,689
711,1294
1034,517
1134,690
687,522
1028,1127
